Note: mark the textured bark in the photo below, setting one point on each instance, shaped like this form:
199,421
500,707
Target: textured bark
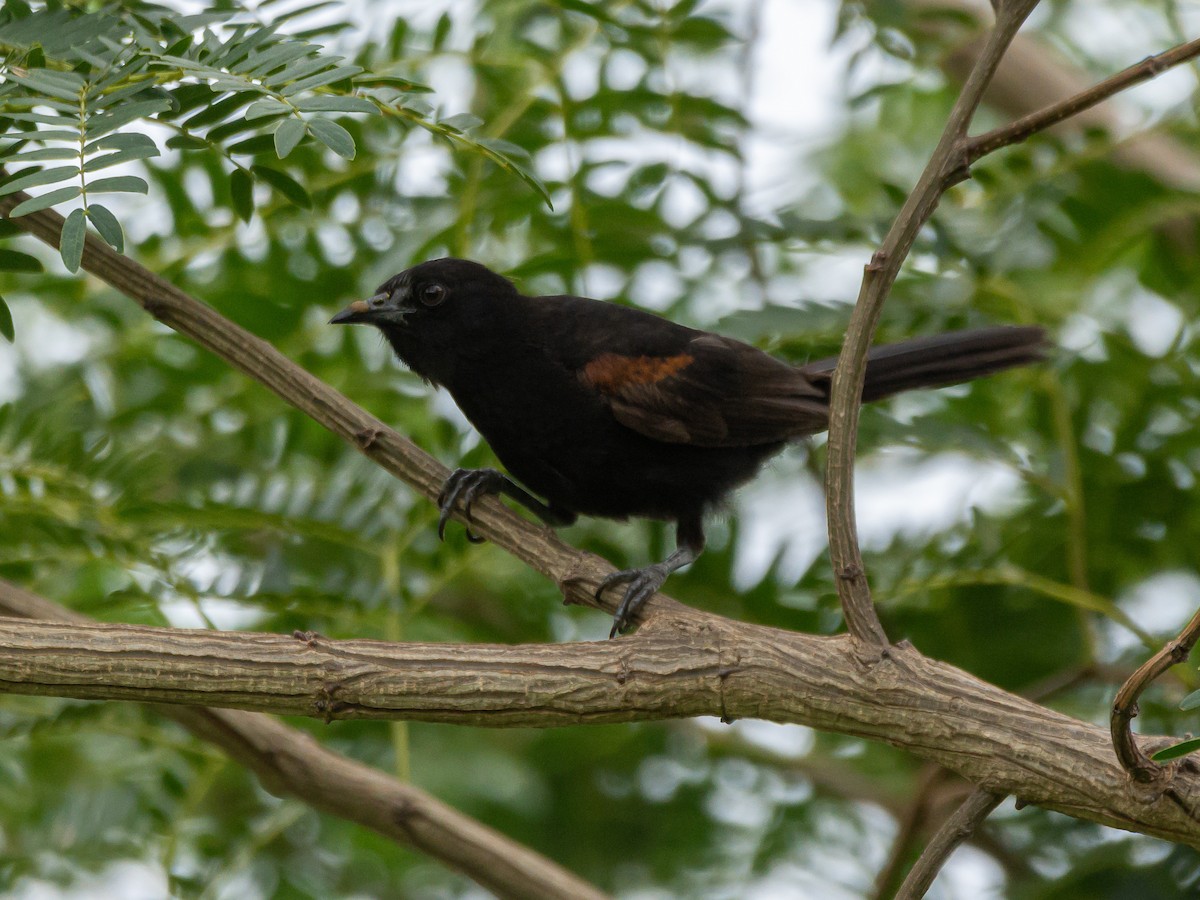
676,666
290,763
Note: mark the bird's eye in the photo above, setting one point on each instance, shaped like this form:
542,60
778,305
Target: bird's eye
433,294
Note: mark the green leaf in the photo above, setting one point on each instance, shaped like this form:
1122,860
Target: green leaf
1191,701
48,153
442,30
462,122
303,11
125,140
275,56
222,109
186,142
268,106
288,135
397,81
300,68
285,184
113,159
1183,748
336,103
119,184
33,179
71,244
107,225
6,322
260,143
45,135
239,125
241,192
333,136
34,204
40,118
63,85
340,73
123,115
15,261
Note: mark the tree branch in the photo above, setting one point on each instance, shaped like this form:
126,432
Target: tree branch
910,822
956,829
846,396
291,763
1033,75
1042,119
1141,767
674,666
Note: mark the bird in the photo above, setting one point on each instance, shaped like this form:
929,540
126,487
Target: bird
600,409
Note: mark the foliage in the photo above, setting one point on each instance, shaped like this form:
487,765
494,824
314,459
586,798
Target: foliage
142,480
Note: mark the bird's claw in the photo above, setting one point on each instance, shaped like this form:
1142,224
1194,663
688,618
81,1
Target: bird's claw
643,584
463,488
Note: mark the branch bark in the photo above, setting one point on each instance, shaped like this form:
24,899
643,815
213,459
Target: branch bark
880,273
1125,706
675,666
956,829
1051,115
291,763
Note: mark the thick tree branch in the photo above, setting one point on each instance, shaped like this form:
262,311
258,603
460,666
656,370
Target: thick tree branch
1140,766
290,763
673,666
956,829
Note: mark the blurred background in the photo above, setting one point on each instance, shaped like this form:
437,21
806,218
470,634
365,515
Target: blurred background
731,165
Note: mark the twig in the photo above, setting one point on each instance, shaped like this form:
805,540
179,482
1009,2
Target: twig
1125,707
946,161
911,823
291,763
956,829
1031,124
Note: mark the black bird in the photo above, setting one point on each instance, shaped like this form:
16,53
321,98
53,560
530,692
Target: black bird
610,411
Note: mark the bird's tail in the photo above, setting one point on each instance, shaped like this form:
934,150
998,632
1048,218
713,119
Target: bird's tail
943,359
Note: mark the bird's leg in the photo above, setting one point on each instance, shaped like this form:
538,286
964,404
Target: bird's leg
465,486
646,581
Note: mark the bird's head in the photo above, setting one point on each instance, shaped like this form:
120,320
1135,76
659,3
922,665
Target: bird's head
436,291
430,310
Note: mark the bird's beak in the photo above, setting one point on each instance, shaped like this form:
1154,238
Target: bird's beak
360,311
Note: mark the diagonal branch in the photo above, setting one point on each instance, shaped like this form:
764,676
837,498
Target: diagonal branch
674,666
1026,126
878,277
291,763
956,829
576,572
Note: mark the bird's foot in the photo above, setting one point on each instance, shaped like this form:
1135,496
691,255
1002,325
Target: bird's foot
643,584
462,489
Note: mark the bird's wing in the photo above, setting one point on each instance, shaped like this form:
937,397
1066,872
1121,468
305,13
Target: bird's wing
712,392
